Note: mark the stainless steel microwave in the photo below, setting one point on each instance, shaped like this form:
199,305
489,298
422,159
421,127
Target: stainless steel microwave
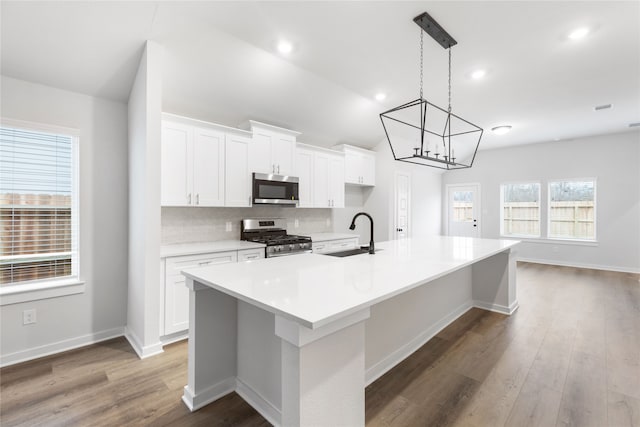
270,189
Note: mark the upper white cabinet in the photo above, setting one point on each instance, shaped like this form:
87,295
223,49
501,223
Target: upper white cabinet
321,174
273,149
304,172
238,175
192,165
360,165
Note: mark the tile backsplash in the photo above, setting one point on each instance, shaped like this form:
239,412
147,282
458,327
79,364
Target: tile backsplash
191,224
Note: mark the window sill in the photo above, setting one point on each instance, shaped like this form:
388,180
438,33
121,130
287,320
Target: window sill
15,294
553,241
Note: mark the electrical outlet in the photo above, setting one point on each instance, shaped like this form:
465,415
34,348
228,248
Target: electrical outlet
229,226
554,249
296,223
29,316
328,222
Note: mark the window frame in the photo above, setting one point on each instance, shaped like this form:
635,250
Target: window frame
501,207
16,292
595,210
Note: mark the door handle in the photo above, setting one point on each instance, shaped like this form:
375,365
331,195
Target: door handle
278,169
198,199
189,198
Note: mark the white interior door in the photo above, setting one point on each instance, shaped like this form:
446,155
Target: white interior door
463,210
402,205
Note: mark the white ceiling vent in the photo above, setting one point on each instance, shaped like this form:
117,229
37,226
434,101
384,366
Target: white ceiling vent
603,107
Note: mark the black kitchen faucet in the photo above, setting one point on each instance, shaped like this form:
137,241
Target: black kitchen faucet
353,227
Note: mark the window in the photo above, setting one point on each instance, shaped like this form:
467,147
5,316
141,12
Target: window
520,209
572,209
38,205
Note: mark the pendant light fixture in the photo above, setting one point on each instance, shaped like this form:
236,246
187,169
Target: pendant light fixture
421,132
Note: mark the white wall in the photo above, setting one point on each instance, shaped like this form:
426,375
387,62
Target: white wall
145,107
614,160
99,312
425,196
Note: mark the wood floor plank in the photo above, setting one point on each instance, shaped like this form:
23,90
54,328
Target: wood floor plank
536,406
623,410
584,396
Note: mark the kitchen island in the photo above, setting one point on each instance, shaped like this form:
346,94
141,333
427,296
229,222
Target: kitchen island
300,337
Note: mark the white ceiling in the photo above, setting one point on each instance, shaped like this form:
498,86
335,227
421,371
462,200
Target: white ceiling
221,64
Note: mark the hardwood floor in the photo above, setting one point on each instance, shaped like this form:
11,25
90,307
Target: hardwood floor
570,356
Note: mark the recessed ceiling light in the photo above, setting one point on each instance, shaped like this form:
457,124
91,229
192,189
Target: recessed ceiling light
578,33
478,74
285,47
380,96
501,130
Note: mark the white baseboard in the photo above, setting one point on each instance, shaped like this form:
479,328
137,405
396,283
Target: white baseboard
380,368
178,336
208,395
142,351
581,265
502,309
259,403
60,346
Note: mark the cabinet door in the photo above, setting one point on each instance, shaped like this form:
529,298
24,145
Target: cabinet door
336,181
176,299
283,154
304,171
176,165
237,173
353,167
369,169
260,154
208,167
321,197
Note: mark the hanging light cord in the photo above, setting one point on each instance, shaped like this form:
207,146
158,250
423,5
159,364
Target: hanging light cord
449,78
421,62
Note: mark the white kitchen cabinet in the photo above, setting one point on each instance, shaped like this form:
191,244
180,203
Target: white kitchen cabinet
176,294
238,172
330,246
321,174
176,180
192,165
336,181
273,149
304,172
360,165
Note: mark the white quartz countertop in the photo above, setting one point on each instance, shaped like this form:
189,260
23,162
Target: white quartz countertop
325,237
314,289
207,247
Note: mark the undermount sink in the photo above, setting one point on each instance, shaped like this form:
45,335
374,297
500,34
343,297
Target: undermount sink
351,252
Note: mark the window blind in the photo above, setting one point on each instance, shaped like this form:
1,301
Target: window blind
37,206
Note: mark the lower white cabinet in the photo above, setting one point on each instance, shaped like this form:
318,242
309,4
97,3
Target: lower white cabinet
330,246
176,293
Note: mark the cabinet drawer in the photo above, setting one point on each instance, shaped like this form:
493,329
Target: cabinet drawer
249,254
335,245
176,264
342,245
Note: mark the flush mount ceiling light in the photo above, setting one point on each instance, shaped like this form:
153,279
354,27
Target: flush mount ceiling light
578,33
284,47
478,74
380,96
501,130
421,132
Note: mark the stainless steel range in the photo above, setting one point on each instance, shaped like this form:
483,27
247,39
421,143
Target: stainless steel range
273,233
